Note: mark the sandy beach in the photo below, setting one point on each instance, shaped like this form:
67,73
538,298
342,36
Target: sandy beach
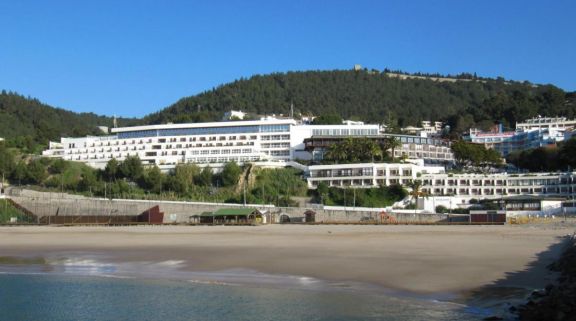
420,259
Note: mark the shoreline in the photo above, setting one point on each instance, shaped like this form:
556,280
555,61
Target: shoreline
420,260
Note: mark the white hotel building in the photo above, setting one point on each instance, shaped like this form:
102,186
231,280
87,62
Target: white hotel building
202,143
557,123
435,182
500,185
367,175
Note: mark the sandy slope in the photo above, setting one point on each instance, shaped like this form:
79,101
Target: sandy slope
423,259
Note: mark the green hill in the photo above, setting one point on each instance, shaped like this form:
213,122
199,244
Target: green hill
463,100
376,97
24,117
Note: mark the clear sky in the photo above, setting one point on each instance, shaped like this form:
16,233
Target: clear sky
131,58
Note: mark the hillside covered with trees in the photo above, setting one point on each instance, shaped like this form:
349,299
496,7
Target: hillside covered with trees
26,121
375,96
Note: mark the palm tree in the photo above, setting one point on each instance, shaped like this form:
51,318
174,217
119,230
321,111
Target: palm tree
416,192
336,152
352,148
370,149
392,143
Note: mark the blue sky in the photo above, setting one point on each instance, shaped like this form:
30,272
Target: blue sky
131,58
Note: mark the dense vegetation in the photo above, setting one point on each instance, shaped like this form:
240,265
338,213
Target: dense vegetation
469,154
371,96
26,122
273,186
376,97
364,197
560,158
361,150
130,179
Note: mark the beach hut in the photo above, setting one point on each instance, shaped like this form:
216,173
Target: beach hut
233,216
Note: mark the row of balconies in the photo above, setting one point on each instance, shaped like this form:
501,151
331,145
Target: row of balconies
492,184
186,139
359,174
153,147
497,191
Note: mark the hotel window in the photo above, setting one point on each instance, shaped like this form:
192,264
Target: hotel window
274,128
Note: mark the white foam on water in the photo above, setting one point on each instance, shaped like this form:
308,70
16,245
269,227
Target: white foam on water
173,263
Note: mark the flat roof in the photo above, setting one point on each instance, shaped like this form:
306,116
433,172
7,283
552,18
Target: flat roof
209,124
242,211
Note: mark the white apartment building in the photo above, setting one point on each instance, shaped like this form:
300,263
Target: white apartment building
482,186
512,141
457,188
233,114
367,175
430,127
201,143
558,123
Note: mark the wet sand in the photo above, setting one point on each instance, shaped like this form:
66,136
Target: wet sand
419,259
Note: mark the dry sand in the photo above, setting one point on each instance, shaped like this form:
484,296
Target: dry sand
421,259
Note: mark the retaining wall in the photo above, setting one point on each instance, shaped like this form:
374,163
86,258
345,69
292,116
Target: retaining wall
56,204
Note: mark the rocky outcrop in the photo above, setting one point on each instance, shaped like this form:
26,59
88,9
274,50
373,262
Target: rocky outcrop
556,302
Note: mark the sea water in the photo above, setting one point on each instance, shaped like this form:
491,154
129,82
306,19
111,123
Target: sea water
38,293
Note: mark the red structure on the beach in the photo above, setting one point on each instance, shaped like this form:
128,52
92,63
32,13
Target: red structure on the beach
151,216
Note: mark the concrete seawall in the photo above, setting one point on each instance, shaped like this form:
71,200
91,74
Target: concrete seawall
44,204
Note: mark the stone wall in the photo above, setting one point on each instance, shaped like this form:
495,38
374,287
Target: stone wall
52,204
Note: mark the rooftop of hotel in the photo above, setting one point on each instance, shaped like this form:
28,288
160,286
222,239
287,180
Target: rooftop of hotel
205,125
544,120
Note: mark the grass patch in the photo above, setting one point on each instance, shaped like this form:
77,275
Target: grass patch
7,212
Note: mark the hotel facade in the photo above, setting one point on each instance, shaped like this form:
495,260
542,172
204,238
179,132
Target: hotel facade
201,143
500,185
435,182
367,175
558,123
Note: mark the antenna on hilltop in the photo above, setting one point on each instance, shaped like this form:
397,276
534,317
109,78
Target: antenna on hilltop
292,109
115,122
